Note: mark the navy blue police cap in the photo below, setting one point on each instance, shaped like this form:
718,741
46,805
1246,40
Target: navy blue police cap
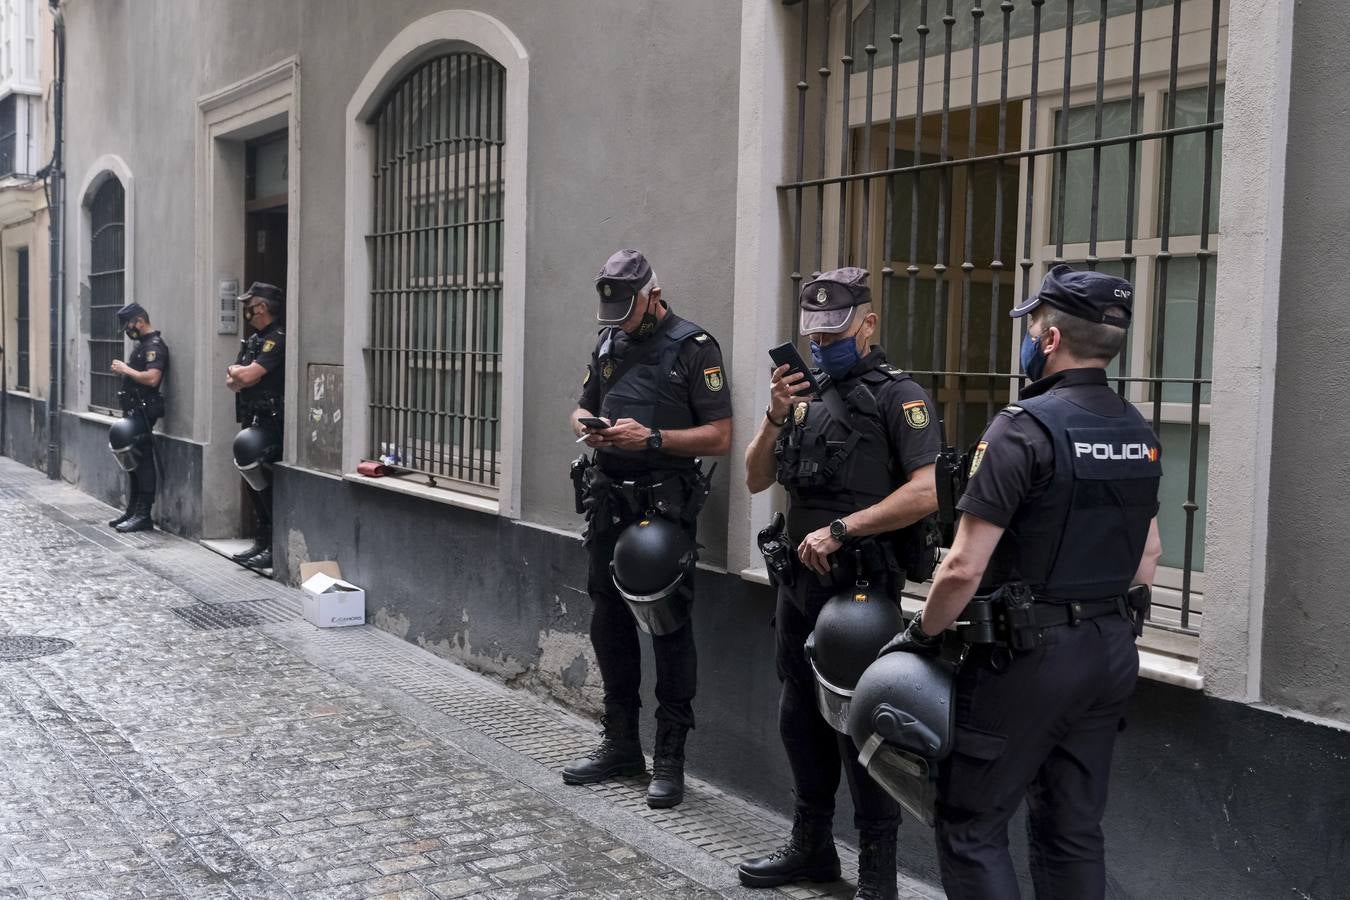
1087,295
262,290
621,278
132,311
827,301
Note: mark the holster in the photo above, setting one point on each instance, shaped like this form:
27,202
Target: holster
776,548
608,503
149,403
1139,601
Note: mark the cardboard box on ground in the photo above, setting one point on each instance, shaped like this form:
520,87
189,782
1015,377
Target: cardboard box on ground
326,600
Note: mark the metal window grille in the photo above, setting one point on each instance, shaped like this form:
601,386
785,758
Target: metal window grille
929,141
21,376
434,360
9,129
107,292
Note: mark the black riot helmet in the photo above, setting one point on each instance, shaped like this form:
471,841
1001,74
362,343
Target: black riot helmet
255,449
902,720
651,558
127,439
849,631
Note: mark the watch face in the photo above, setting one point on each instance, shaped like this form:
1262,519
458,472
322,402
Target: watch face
838,529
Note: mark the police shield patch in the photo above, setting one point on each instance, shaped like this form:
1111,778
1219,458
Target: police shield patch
150,356
586,379
799,414
713,378
916,414
976,458
607,369
268,346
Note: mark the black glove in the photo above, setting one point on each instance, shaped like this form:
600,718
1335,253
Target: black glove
913,640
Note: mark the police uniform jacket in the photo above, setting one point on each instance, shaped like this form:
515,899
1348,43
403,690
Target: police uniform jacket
268,349
150,353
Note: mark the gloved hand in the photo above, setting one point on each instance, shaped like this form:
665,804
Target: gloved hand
913,640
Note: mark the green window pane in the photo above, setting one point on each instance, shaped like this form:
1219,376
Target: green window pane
907,329
1188,164
1113,183
1172,494
930,183
1178,336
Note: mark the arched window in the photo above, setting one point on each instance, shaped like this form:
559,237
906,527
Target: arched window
107,291
433,360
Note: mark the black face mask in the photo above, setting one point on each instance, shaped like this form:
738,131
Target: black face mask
647,327
132,332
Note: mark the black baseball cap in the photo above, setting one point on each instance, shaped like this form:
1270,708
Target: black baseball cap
827,301
621,278
263,290
1087,295
132,311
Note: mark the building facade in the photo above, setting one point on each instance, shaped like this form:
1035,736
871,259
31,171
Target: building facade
436,186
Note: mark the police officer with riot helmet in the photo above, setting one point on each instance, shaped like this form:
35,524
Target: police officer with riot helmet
857,463
131,439
258,378
656,380
1059,532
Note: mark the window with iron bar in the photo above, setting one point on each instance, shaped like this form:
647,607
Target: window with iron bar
21,375
955,155
107,293
9,134
434,359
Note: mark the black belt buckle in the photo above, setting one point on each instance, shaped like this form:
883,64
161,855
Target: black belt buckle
1075,610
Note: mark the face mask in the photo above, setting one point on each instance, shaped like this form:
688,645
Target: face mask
836,359
132,332
1033,360
647,326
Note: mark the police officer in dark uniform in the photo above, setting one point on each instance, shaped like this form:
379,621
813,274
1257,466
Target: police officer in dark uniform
142,405
858,466
657,380
258,378
1059,524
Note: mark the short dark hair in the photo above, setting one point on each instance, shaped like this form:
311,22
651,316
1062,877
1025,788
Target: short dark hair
1084,339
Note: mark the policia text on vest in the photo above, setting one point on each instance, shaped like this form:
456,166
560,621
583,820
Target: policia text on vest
857,464
659,380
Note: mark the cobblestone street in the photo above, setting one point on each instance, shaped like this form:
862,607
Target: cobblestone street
196,738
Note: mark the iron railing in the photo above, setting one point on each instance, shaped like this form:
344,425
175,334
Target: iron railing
433,363
107,293
1131,206
21,374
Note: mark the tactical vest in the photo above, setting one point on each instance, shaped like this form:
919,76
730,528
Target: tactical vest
833,468
646,392
1084,537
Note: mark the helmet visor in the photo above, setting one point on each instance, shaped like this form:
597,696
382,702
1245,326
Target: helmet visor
128,458
909,779
832,701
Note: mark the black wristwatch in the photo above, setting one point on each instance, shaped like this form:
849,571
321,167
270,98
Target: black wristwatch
654,439
838,530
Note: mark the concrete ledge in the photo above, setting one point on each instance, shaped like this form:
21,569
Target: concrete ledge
447,496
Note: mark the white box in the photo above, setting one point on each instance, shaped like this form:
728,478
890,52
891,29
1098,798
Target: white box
330,602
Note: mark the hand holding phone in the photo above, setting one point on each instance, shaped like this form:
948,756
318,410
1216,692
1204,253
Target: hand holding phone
595,423
786,354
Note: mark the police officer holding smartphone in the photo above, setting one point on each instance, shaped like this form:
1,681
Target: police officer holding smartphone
1059,532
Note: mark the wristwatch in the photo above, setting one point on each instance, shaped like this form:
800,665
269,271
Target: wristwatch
654,439
838,530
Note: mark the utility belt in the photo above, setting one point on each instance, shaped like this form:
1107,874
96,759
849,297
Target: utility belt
149,403
264,408
866,559
609,503
1014,618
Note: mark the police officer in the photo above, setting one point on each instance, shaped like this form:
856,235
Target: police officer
143,403
657,380
258,378
1059,523
857,463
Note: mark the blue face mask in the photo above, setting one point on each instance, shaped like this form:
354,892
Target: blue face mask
836,359
1033,360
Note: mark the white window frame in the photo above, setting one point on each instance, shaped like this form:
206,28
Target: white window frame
103,168
419,41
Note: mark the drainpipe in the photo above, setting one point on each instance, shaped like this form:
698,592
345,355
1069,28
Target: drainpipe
55,208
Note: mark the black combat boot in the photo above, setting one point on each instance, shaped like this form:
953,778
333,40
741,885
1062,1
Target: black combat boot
131,511
139,519
809,855
260,543
618,753
876,866
667,785
260,560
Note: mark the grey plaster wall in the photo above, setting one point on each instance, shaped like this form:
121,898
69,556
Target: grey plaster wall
25,438
630,148
1306,615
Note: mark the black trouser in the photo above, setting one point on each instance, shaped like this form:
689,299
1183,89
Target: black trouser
262,500
143,481
614,635
815,750
1044,727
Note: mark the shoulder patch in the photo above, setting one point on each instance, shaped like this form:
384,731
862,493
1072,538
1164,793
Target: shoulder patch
976,458
586,378
916,414
268,345
150,356
712,377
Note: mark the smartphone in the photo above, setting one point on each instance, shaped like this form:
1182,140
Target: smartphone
594,422
786,354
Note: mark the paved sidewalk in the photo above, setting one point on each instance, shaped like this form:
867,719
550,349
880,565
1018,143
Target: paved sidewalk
202,741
